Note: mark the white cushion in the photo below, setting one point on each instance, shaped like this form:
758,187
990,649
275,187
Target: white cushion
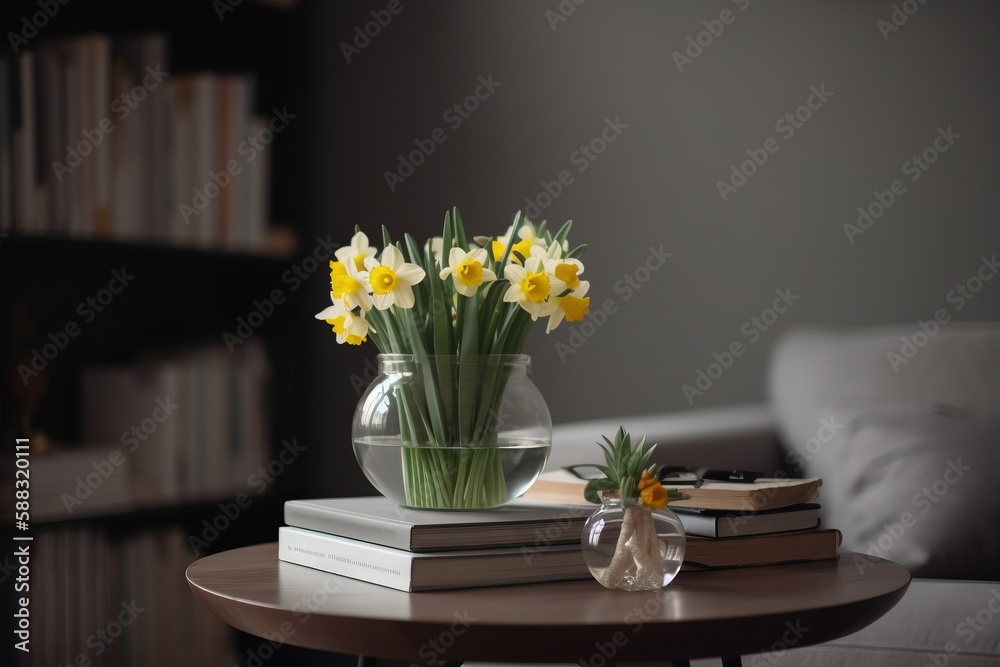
908,455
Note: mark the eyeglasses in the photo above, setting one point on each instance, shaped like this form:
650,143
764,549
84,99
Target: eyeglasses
671,476
677,475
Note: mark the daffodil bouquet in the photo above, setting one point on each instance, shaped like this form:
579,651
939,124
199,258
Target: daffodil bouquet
454,297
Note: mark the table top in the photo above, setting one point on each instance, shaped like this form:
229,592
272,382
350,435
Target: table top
700,614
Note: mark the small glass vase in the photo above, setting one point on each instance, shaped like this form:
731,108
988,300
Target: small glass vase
449,432
632,548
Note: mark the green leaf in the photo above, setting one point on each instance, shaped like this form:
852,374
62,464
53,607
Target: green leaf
563,232
448,239
459,231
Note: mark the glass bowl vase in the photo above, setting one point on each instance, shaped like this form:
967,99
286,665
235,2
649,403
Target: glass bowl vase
450,432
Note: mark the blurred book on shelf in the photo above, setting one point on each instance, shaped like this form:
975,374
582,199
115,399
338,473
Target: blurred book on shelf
195,423
183,427
129,603
99,139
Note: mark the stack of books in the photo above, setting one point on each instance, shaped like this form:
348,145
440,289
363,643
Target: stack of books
537,538
731,524
373,539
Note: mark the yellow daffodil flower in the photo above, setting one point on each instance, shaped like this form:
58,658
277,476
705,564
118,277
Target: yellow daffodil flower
391,280
356,252
467,270
573,306
348,286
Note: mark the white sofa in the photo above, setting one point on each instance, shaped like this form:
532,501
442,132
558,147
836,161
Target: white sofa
909,457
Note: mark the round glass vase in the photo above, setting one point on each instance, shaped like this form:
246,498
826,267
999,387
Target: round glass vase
632,548
450,432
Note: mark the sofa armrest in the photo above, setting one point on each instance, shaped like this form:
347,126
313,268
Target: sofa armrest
741,436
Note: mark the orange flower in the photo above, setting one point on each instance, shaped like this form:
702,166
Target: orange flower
653,495
646,481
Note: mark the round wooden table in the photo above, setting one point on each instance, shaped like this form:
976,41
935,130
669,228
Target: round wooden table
701,614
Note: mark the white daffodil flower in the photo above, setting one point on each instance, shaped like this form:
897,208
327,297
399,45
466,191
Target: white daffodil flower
530,287
467,270
350,328
391,280
523,248
349,286
566,270
572,307
356,252
437,246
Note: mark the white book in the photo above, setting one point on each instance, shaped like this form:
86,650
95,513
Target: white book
379,520
414,572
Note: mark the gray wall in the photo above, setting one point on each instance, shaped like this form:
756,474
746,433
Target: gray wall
656,184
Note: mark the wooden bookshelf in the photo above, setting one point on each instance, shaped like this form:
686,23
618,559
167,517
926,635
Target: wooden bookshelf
180,294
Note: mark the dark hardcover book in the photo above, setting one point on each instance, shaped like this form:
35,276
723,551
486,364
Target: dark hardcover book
771,549
720,523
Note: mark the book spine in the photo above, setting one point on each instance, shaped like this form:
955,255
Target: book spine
356,560
366,529
699,524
